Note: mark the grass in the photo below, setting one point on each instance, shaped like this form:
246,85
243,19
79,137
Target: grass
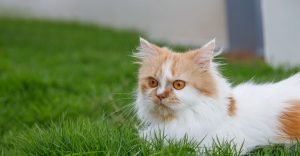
67,89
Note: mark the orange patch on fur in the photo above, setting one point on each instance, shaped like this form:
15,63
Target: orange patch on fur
143,87
290,121
231,107
200,78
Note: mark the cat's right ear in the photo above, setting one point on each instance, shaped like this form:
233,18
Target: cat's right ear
145,50
204,55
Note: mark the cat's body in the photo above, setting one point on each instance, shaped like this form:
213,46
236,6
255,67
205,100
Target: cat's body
184,94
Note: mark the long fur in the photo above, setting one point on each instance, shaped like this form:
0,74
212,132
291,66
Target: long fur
248,114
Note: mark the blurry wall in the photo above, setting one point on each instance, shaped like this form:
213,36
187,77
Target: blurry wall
281,24
190,22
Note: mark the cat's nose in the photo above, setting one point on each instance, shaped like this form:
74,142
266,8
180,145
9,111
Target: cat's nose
162,96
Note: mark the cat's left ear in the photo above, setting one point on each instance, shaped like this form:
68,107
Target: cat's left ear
205,54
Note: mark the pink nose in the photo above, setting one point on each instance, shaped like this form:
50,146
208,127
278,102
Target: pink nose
162,96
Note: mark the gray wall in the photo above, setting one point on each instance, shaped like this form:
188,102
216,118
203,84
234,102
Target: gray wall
245,26
282,32
189,22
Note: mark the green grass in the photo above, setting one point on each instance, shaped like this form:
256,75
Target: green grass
67,89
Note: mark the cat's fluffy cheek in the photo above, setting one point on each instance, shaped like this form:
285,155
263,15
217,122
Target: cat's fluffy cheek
143,104
187,96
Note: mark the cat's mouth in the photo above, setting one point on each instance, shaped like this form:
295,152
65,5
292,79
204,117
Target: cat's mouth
162,104
159,102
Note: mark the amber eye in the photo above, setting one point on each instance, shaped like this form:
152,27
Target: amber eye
178,84
152,82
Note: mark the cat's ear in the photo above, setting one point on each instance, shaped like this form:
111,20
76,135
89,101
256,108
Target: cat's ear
145,50
205,55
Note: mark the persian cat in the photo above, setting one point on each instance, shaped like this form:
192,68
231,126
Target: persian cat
184,94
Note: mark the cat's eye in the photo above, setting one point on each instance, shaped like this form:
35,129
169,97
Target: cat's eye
152,82
178,84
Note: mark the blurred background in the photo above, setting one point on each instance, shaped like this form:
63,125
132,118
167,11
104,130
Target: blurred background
67,78
264,28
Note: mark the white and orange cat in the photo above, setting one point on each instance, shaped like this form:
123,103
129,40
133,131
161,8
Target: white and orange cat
184,94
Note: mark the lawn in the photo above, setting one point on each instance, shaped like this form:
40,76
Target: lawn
67,89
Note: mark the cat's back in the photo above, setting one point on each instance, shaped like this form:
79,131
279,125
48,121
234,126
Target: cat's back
287,89
261,106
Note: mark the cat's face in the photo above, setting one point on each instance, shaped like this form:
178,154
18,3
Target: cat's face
170,82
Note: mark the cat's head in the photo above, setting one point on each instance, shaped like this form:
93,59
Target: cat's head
171,82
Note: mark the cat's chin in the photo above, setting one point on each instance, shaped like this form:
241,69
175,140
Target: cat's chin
162,104
163,112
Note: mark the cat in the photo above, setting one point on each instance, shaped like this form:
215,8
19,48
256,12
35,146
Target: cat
184,94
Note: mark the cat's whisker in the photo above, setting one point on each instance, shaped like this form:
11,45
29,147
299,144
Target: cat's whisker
123,93
121,109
